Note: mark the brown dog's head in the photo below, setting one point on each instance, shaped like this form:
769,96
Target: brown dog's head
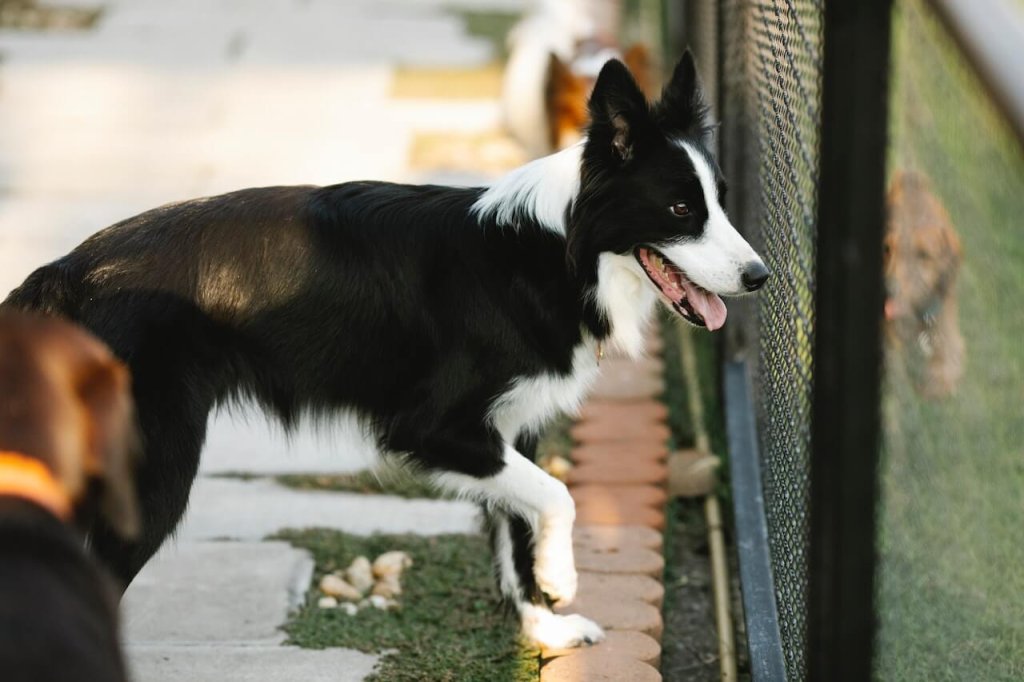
66,401
922,252
568,86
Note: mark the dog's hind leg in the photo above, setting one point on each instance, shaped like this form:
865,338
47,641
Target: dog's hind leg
173,424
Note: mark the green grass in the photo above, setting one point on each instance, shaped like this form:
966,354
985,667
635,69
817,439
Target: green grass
385,482
451,625
951,579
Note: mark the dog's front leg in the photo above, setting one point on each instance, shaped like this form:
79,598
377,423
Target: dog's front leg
523,490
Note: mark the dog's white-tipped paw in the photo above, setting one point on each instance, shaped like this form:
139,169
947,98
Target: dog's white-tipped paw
556,575
554,631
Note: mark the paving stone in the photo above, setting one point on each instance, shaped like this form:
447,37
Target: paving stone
619,427
601,513
252,510
621,643
620,536
620,585
635,560
216,591
246,663
628,495
620,613
623,382
620,451
643,410
622,471
590,665
246,440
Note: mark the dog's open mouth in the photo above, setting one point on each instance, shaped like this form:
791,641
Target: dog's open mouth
697,305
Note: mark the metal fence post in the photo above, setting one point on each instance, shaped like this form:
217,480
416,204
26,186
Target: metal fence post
847,352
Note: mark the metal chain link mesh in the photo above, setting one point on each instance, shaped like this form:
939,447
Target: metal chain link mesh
772,76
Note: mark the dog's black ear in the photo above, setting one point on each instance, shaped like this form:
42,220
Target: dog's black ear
682,109
619,115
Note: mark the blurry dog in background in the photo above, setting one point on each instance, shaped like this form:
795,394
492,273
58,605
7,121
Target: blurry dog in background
555,54
67,444
922,262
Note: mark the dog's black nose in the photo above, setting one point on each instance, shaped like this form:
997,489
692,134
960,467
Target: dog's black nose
755,275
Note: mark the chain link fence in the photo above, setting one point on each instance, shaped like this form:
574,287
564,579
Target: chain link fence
770,85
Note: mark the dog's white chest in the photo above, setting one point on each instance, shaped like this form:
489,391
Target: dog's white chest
533,401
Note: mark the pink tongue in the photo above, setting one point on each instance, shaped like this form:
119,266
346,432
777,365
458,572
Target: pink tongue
706,304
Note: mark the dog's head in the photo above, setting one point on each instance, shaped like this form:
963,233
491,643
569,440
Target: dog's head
650,200
922,252
567,87
66,402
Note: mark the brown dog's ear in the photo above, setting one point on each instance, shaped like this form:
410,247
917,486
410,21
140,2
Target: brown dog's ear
113,442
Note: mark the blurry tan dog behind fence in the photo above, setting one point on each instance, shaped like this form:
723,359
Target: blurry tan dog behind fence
922,262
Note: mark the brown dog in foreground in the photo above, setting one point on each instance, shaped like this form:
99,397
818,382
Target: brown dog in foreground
922,262
67,449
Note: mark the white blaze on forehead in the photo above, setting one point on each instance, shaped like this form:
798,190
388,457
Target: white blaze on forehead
715,260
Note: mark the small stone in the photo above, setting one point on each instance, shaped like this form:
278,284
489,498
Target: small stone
382,603
333,586
391,563
349,608
327,603
557,466
388,587
359,574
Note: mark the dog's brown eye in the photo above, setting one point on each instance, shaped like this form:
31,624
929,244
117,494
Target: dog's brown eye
680,210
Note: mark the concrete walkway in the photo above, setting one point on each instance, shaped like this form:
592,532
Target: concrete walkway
162,101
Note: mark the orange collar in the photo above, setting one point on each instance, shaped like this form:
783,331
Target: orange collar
28,478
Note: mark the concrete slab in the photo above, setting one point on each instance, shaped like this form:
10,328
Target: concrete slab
252,510
245,440
216,592
159,663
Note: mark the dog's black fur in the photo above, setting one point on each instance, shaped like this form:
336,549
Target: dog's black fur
399,303
58,610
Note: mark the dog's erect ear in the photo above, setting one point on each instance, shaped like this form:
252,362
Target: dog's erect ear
682,109
619,115
113,444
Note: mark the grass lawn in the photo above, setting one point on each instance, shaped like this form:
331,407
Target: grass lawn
951,580
451,625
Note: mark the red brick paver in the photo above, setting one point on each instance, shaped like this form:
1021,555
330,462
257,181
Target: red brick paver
605,537
621,585
588,665
624,643
618,471
647,411
620,451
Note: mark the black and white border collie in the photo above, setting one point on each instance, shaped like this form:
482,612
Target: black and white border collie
452,323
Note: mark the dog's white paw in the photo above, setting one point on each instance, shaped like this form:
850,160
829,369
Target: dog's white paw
555,570
554,631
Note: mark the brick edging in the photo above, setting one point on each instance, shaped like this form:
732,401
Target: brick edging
619,484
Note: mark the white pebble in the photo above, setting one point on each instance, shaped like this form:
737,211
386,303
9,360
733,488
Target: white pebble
327,603
349,608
